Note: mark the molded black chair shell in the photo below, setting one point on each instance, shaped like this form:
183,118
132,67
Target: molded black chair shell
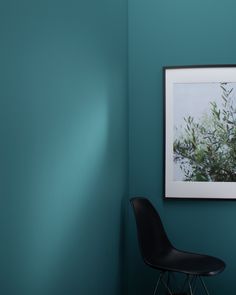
158,252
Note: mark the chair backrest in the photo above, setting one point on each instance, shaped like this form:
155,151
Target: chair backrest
153,241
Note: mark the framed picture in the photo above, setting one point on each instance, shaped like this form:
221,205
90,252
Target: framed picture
200,132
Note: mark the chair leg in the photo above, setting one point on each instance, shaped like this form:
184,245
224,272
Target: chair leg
166,285
161,280
189,285
158,282
191,282
204,286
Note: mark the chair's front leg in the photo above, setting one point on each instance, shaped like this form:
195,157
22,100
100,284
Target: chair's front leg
189,285
166,285
161,280
158,282
204,285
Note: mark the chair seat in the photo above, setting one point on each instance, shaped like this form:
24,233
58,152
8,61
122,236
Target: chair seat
188,263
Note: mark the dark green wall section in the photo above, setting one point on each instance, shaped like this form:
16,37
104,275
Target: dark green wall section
63,115
175,33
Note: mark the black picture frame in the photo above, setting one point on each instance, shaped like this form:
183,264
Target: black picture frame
191,95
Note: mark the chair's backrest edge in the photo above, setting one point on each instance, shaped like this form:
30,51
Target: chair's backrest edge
152,237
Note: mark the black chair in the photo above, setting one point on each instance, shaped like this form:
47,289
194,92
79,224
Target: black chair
158,252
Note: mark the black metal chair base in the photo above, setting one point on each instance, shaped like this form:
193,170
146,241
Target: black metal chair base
189,287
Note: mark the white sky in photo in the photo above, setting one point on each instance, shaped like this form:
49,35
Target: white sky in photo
193,99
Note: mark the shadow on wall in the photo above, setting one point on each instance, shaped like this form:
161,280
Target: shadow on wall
68,229
65,182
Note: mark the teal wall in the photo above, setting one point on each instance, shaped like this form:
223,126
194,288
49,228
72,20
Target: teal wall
175,33
64,128
63,151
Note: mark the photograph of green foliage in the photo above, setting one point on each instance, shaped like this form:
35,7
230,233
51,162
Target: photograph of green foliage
204,146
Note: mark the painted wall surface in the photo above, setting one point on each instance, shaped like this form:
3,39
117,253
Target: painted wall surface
63,114
175,33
